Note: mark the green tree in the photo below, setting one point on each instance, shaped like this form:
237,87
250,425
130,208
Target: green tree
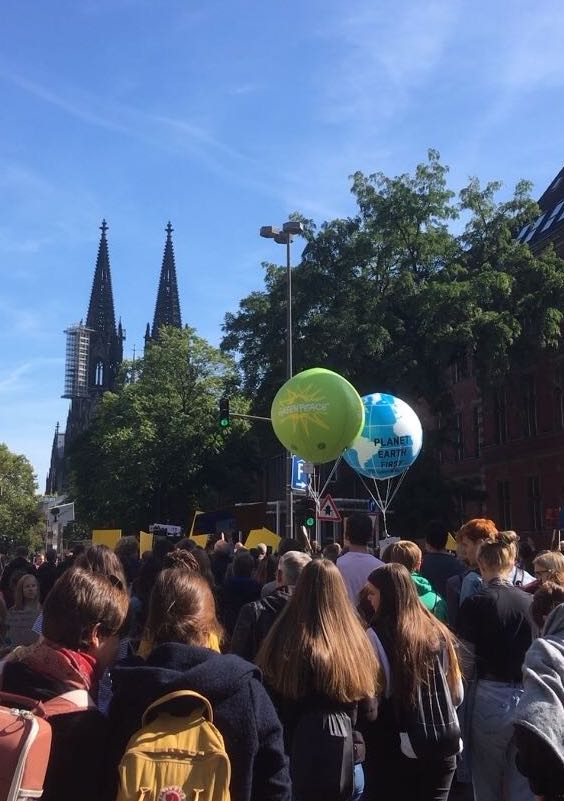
154,451
20,521
391,297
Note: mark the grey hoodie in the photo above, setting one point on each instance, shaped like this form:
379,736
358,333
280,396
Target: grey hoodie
541,709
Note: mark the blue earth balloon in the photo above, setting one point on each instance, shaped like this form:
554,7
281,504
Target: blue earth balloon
390,441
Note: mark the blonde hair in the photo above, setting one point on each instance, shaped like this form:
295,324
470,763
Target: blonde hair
19,600
551,561
499,554
317,645
405,553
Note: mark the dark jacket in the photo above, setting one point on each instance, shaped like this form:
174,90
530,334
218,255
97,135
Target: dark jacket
46,575
242,712
235,593
80,764
255,621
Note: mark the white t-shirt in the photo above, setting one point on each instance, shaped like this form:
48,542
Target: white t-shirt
355,567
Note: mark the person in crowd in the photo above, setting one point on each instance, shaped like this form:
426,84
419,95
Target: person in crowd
221,558
14,570
409,554
546,566
332,551
181,621
47,573
143,584
411,644
438,564
284,546
38,560
495,628
356,565
539,718
256,618
23,614
82,619
470,538
317,656
127,551
238,589
547,598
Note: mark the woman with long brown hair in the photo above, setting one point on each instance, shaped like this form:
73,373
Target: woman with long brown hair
317,655
412,753
180,626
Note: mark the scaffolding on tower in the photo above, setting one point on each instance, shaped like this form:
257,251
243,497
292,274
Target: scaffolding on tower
76,362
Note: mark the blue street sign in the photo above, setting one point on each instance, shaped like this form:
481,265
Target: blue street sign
299,478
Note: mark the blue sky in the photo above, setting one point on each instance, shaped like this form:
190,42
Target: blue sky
222,117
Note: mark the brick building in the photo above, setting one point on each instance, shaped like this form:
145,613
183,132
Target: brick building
509,441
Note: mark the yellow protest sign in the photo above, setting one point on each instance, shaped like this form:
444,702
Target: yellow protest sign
451,543
264,535
200,539
145,542
106,536
196,513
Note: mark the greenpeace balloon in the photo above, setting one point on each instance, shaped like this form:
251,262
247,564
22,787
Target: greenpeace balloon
317,414
390,440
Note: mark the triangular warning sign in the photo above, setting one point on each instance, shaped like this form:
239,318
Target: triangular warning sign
328,510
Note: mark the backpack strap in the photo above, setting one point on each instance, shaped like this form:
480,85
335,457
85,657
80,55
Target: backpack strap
72,701
172,697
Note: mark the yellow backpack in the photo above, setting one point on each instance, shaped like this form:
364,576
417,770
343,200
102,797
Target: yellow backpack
176,757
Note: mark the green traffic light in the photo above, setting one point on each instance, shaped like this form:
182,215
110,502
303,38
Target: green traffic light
310,521
224,422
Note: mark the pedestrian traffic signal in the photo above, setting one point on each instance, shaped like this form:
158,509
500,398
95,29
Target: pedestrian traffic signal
224,418
306,511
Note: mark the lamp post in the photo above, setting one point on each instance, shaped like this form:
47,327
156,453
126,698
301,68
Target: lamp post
284,237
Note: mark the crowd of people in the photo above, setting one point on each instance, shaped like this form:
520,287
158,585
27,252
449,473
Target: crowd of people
309,675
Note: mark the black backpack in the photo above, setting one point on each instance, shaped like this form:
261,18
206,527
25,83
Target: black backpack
322,757
432,724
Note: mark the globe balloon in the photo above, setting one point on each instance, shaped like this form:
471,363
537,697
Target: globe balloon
390,440
317,414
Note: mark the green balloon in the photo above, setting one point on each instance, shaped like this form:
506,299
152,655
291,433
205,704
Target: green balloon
317,414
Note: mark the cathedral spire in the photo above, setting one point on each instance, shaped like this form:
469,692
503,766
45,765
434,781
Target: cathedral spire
101,315
167,309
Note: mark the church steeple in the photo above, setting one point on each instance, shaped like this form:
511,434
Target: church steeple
101,316
167,309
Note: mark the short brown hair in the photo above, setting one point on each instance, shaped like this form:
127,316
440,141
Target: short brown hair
78,601
545,599
182,609
101,559
479,529
405,553
499,554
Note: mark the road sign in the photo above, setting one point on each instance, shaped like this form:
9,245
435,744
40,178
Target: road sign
299,476
328,511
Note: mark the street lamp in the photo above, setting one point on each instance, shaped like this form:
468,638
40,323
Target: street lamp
284,237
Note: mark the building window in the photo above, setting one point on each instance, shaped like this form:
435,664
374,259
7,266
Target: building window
477,429
99,378
500,416
459,441
460,367
534,503
504,504
529,406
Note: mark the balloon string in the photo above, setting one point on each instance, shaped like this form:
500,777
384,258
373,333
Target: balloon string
398,485
331,474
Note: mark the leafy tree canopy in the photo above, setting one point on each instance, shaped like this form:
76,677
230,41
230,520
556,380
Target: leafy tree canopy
154,451
20,521
392,296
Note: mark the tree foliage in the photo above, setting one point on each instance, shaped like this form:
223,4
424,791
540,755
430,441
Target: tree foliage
20,521
393,295
154,452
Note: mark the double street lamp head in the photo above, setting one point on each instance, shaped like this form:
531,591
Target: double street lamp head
284,236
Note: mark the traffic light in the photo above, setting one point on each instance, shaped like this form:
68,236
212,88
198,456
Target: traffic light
306,511
224,418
